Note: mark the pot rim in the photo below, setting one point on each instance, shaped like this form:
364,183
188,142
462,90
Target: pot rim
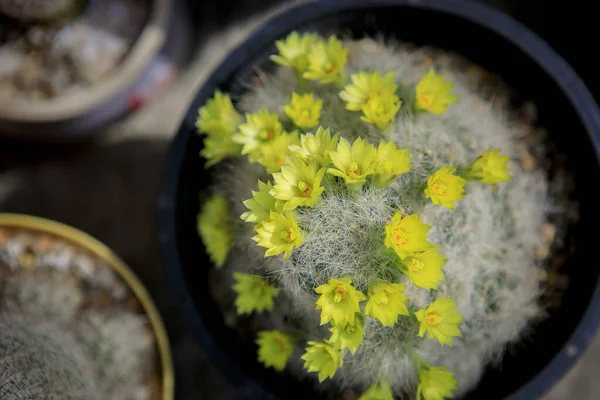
496,21
101,251
123,76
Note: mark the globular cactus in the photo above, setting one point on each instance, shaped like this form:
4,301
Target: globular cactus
391,216
41,360
28,10
46,294
121,347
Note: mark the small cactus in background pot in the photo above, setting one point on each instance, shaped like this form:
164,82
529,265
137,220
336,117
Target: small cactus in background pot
374,198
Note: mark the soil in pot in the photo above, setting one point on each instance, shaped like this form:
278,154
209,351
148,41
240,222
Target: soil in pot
41,60
54,291
509,303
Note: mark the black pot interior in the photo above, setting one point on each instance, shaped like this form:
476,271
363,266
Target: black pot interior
483,47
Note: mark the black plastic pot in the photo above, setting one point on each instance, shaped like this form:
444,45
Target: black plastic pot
489,39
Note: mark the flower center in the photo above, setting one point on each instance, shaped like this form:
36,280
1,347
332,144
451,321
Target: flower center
281,344
433,319
305,190
329,67
426,99
387,166
340,294
380,110
439,187
416,265
266,134
287,235
353,169
400,237
305,115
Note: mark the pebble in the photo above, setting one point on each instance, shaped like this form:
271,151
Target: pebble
10,62
29,74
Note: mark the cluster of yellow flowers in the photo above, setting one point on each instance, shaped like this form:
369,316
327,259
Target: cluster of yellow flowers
301,164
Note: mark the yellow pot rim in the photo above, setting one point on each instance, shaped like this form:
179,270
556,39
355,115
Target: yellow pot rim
101,251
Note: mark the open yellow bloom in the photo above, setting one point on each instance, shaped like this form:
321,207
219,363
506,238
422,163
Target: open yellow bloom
380,390
381,109
339,302
322,358
261,204
440,320
218,147
424,269
386,302
353,163
279,234
304,110
407,235
327,61
389,163
435,383
258,129
274,349
433,93
444,188
298,184
218,117
214,227
272,154
349,337
365,86
490,168
315,148
294,50
254,293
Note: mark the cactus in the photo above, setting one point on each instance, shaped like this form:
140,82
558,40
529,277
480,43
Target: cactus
40,360
121,347
405,246
36,294
28,10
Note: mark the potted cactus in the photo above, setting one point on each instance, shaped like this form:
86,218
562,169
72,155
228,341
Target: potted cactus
381,222
75,323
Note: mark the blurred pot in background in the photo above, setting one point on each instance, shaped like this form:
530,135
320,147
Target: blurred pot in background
65,79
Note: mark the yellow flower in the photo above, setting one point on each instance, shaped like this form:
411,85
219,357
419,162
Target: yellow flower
315,148
258,129
294,50
274,349
390,162
433,93
380,390
327,61
304,110
261,204
298,184
490,168
381,109
407,235
216,148
349,337
339,302
435,383
440,320
424,269
323,358
218,117
365,86
353,163
444,188
253,294
214,227
386,302
279,234
272,154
